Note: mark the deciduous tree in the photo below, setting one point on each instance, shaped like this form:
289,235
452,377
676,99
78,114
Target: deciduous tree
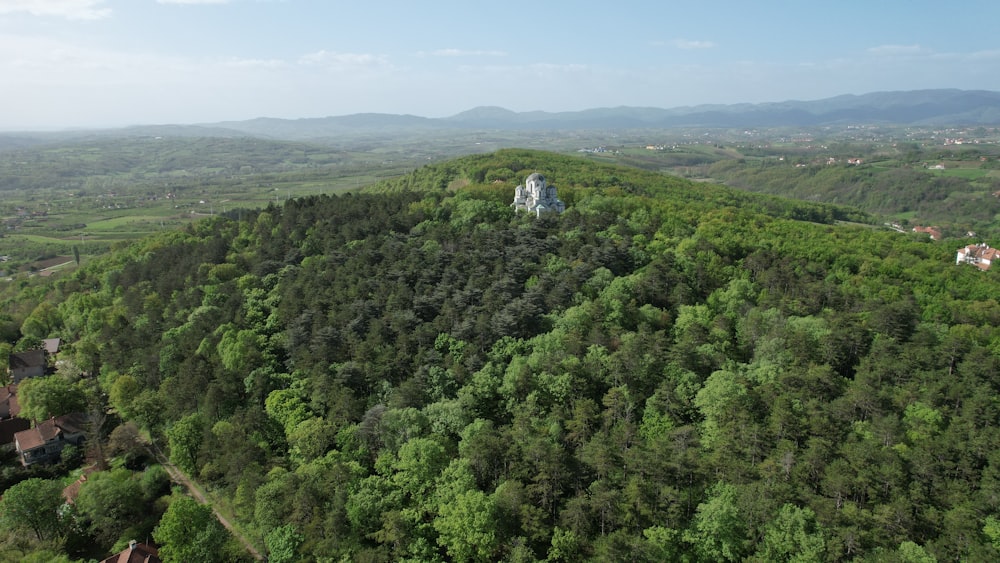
44,397
33,504
189,532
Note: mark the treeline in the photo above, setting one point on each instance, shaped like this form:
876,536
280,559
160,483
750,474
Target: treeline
666,371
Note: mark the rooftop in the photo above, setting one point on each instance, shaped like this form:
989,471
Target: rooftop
135,553
49,430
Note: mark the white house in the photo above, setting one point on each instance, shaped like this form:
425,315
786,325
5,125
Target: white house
980,255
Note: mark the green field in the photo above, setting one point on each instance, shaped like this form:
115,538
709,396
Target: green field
966,173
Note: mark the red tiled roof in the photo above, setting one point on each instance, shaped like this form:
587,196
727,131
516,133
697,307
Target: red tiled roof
934,233
48,430
135,553
37,436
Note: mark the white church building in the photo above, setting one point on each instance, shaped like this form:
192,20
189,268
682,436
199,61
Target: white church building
537,197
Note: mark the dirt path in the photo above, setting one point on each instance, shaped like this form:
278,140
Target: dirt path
178,476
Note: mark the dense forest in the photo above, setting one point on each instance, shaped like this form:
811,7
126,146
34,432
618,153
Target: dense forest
666,371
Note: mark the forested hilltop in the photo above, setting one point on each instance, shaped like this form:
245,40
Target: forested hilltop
666,371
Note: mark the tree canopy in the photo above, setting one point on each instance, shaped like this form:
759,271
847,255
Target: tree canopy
667,370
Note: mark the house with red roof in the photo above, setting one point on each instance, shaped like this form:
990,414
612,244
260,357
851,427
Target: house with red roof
136,553
932,232
980,255
45,442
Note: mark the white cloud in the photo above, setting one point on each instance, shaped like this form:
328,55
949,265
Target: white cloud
688,44
991,55
190,2
255,63
521,70
464,53
22,56
69,9
898,50
916,52
340,61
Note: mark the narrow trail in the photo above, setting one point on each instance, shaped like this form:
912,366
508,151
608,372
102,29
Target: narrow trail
178,476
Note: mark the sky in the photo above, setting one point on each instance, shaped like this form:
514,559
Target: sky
110,63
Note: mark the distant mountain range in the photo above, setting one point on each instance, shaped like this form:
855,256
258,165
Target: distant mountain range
918,107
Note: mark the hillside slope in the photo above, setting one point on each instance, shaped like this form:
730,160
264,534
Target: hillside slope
666,371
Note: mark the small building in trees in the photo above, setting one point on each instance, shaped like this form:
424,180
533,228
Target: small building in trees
136,553
45,442
31,363
979,255
536,196
51,345
933,232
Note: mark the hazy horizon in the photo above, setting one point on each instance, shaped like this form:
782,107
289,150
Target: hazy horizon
79,64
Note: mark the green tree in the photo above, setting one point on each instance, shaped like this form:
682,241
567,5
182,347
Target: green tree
241,350
189,532
111,501
718,533
185,437
723,401
311,438
282,544
29,342
44,397
45,556
910,552
420,461
467,527
33,504
793,535
5,350
123,392
992,530
42,322
662,544
565,545
155,482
